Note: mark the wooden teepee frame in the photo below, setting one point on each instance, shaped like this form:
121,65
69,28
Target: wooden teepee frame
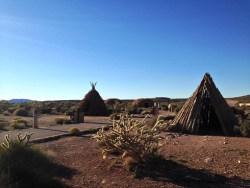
189,118
93,85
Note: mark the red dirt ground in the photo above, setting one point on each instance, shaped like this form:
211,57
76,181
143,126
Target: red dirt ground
191,161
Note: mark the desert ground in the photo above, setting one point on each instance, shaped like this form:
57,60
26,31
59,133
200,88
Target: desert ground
47,120
189,161
185,160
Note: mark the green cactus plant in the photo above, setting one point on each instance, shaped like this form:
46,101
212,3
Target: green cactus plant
130,136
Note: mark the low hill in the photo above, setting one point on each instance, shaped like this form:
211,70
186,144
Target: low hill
19,101
244,99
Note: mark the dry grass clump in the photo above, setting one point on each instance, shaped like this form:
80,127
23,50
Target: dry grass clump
245,128
18,123
6,113
62,121
3,124
133,140
74,131
165,117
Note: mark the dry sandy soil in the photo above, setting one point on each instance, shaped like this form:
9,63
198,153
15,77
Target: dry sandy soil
189,161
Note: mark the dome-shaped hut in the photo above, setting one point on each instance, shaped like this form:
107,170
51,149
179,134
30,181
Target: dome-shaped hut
93,104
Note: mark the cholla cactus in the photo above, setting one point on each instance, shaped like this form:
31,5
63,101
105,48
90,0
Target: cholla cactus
130,136
24,140
6,143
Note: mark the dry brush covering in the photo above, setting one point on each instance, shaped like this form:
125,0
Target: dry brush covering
93,104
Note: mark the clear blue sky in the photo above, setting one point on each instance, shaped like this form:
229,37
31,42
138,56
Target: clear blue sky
51,49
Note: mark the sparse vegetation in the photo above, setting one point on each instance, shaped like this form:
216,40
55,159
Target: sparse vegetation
18,123
22,166
165,118
21,112
74,131
114,116
245,128
3,124
61,121
6,113
131,139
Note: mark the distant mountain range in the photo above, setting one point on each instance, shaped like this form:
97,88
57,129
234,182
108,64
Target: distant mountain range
19,101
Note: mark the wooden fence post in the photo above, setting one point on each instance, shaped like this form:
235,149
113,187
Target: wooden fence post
35,122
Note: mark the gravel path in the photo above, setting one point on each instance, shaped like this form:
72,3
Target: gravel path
45,132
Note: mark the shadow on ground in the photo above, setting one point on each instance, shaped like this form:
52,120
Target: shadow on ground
160,169
24,167
95,122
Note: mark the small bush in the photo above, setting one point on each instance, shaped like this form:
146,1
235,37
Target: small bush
164,107
131,109
6,113
74,131
61,121
21,112
165,118
3,124
19,123
114,116
245,128
134,140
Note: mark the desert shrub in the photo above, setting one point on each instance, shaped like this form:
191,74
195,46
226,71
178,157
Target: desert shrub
11,109
131,109
22,166
19,123
3,124
61,121
132,139
114,116
6,113
145,112
165,118
45,110
245,128
74,131
164,107
21,112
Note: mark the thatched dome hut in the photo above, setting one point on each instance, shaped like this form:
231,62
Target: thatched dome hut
143,103
93,104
